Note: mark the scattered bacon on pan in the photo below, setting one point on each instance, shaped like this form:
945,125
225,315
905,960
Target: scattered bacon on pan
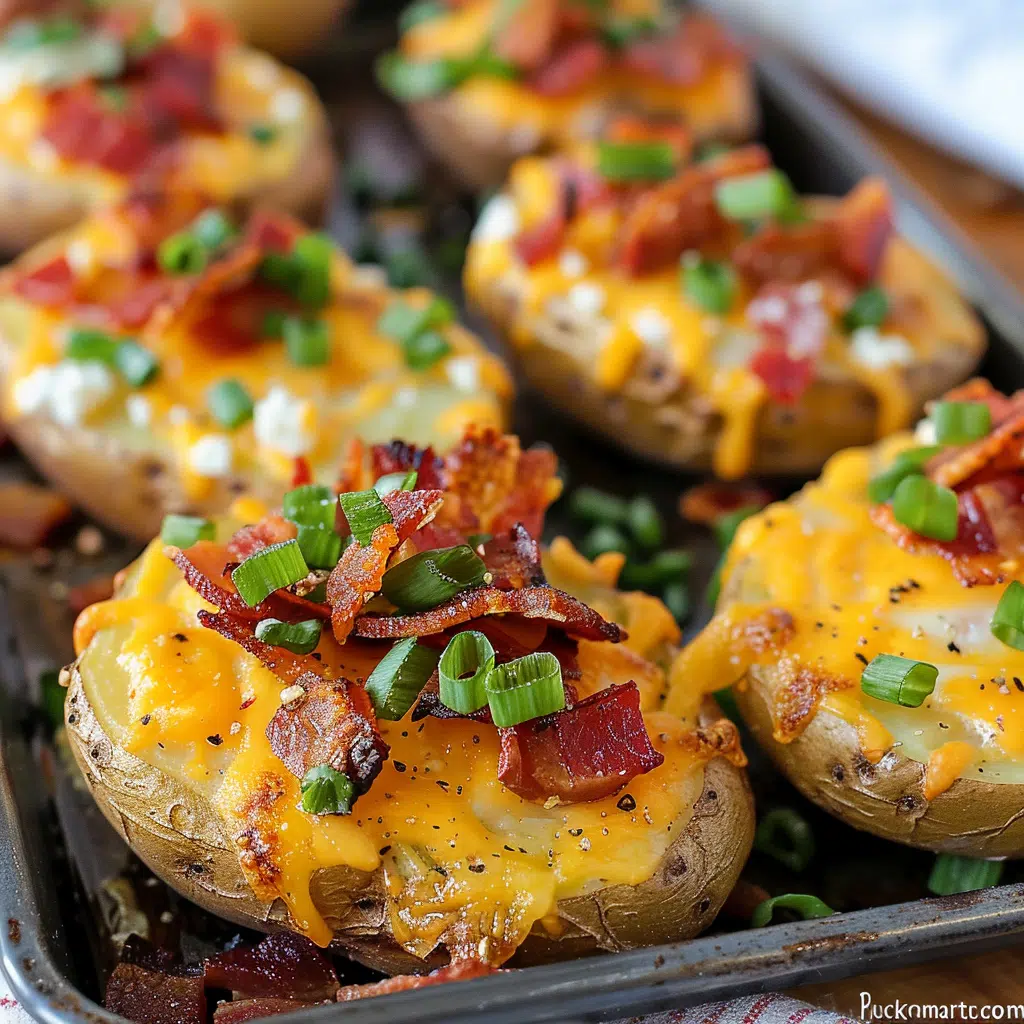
150,988
29,514
460,970
239,1011
333,724
281,966
585,752
706,503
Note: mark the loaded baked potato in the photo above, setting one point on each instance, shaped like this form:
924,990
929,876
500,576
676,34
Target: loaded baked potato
701,315
336,787
486,82
874,628
160,357
95,105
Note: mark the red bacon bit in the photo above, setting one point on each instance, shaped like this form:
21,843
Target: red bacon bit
302,473
705,504
586,752
460,970
240,1011
399,457
29,514
272,231
250,539
542,602
206,33
527,36
543,240
863,225
147,995
785,378
537,486
283,966
287,666
513,560
51,284
570,68
787,253
334,724
141,302
233,325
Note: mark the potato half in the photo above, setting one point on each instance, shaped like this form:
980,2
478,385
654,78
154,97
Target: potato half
650,864
813,592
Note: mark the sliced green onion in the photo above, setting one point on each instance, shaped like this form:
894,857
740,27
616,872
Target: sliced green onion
709,284
960,422
754,196
365,512
297,637
882,487
321,546
926,507
430,578
307,341
408,267
396,482
868,309
230,404
312,256
263,134
952,873
87,345
477,540
268,570
785,836
310,505
272,325
619,31
676,598
594,506
425,350
665,567
898,680
636,161
404,322
418,80
417,13
29,33
184,531
808,907
136,364
1007,623
399,677
602,538
644,522
326,791
213,229
182,253
463,668
529,687
280,270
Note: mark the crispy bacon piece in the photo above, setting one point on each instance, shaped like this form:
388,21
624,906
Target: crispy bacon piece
148,995
585,752
177,91
334,724
302,473
790,252
572,67
513,559
203,566
248,540
542,602
863,225
797,696
541,241
29,514
281,966
239,1011
537,486
283,663
528,34
706,503
460,970
681,214
399,457
51,284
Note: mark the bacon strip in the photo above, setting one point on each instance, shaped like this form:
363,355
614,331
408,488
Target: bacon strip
264,534
460,970
513,560
282,966
283,663
585,752
334,724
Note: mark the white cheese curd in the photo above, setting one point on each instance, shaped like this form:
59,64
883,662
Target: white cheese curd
211,455
80,256
284,423
651,327
464,373
140,411
572,263
499,220
66,392
879,351
287,105
587,298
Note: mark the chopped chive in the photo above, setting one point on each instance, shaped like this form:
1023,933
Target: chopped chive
364,511
321,546
594,506
182,253
307,341
230,404
636,161
1007,623
926,508
297,637
898,680
462,671
644,522
526,688
808,907
755,196
868,309
430,578
619,31
396,482
88,345
312,257
264,134
710,285
213,229
136,364
327,791
273,568
184,531
272,324
952,873
404,322
664,568
310,505
785,836
425,350
882,487
399,677
960,422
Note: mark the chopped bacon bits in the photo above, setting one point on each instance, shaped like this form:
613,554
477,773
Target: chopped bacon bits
283,663
283,966
334,724
513,560
29,514
585,752
149,995
51,284
248,540
863,225
706,503
459,970
570,68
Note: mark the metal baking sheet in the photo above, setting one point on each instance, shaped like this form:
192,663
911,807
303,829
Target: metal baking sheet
51,880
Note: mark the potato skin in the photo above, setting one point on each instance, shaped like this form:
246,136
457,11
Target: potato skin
179,836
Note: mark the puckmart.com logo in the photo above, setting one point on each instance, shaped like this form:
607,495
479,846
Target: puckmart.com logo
897,1010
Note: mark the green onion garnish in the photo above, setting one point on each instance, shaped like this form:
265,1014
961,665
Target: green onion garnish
312,258
404,322
644,522
390,482
636,161
310,505
230,404
602,538
268,570
709,284
264,134
399,677
808,907
664,568
182,253
882,487
307,341
529,687
213,229
408,266
365,512
297,637
676,598
462,670
430,578
321,546
425,350
619,31
29,33
419,80
898,680
1007,623
594,506
136,364
326,791
272,324
960,422
784,835
926,507
868,309
87,345
952,873
184,531
754,196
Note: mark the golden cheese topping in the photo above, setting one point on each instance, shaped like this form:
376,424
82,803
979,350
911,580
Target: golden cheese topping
853,594
627,325
365,389
195,705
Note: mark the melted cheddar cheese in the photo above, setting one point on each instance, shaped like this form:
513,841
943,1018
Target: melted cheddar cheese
196,706
622,322
853,594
